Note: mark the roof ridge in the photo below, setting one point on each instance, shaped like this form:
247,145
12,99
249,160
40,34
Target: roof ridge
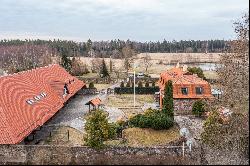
26,71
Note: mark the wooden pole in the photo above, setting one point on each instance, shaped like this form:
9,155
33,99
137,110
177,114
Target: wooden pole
68,135
183,149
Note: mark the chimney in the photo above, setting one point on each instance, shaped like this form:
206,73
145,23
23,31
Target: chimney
185,68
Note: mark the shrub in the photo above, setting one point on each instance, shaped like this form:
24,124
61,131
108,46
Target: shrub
113,130
197,70
198,107
122,84
97,129
153,84
152,119
91,85
140,84
128,84
134,122
147,84
161,121
130,90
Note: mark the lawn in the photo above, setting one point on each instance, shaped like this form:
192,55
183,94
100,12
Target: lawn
211,74
137,137
127,100
60,137
90,75
102,86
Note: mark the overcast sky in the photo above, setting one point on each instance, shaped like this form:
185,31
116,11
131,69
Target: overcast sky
141,20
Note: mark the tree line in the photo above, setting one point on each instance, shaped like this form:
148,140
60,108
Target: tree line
105,49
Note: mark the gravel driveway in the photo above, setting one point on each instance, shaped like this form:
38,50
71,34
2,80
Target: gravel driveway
194,125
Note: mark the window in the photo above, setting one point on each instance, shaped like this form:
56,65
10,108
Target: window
184,91
199,90
66,90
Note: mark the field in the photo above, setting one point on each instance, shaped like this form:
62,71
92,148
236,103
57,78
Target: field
160,62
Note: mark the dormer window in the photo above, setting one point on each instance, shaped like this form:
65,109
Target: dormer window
199,90
66,90
184,91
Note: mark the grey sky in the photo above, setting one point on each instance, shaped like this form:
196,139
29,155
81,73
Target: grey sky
141,20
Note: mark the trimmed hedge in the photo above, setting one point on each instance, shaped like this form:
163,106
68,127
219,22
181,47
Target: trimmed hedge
138,90
154,119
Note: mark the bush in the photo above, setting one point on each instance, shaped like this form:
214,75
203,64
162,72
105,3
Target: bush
122,84
197,70
147,84
97,129
142,90
153,84
152,119
128,85
198,107
161,121
134,122
113,130
140,84
91,85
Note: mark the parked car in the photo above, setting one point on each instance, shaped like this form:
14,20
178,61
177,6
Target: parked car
140,75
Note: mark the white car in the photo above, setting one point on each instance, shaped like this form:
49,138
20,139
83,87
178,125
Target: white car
140,75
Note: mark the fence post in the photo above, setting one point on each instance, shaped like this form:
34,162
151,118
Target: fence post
68,135
183,149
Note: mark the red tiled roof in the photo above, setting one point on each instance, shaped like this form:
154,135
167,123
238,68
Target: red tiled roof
182,79
28,99
94,102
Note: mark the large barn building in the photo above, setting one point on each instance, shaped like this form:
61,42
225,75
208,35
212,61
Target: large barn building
28,99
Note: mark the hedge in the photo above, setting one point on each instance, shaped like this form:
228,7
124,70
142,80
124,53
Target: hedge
138,90
155,120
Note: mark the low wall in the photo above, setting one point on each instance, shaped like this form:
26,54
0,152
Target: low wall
18,154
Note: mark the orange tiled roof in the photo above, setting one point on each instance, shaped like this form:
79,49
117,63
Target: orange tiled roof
96,101
182,79
28,99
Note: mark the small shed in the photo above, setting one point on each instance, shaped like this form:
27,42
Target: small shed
95,103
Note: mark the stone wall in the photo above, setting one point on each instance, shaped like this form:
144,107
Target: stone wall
183,106
18,154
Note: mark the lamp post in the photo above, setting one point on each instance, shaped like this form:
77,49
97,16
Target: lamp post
135,66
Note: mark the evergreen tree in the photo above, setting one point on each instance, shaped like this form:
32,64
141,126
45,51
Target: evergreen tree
65,61
168,102
97,129
198,71
122,84
110,65
104,71
140,84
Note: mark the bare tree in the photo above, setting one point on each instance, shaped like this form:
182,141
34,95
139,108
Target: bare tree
128,53
234,72
78,67
147,62
232,137
96,65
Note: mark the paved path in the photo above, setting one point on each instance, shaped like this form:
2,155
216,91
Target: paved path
194,125
72,115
